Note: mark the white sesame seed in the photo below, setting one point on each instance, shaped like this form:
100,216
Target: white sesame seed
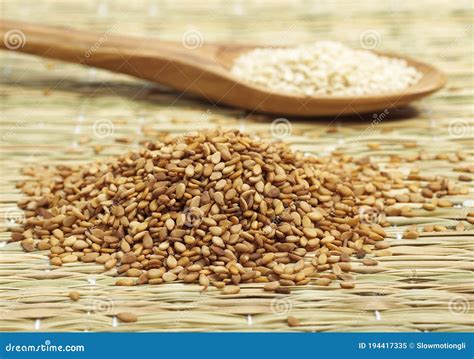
325,68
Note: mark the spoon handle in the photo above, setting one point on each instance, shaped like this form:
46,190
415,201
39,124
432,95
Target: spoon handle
139,57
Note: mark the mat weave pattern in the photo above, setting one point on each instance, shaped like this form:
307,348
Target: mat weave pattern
52,113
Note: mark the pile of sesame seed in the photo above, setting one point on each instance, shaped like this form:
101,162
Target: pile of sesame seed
218,208
325,68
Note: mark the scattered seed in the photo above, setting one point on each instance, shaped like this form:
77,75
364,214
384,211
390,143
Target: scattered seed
127,317
272,286
439,228
292,321
369,262
203,280
429,206
444,203
428,228
74,295
283,290
231,289
169,277
69,258
383,253
125,282
411,235
16,236
28,245
347,285
323,281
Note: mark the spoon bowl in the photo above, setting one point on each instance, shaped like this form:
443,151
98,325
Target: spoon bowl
266,100
204,70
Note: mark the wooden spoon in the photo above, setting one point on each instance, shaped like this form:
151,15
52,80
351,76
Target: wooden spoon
198,68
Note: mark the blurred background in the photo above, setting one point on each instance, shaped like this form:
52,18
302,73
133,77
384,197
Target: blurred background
438,32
